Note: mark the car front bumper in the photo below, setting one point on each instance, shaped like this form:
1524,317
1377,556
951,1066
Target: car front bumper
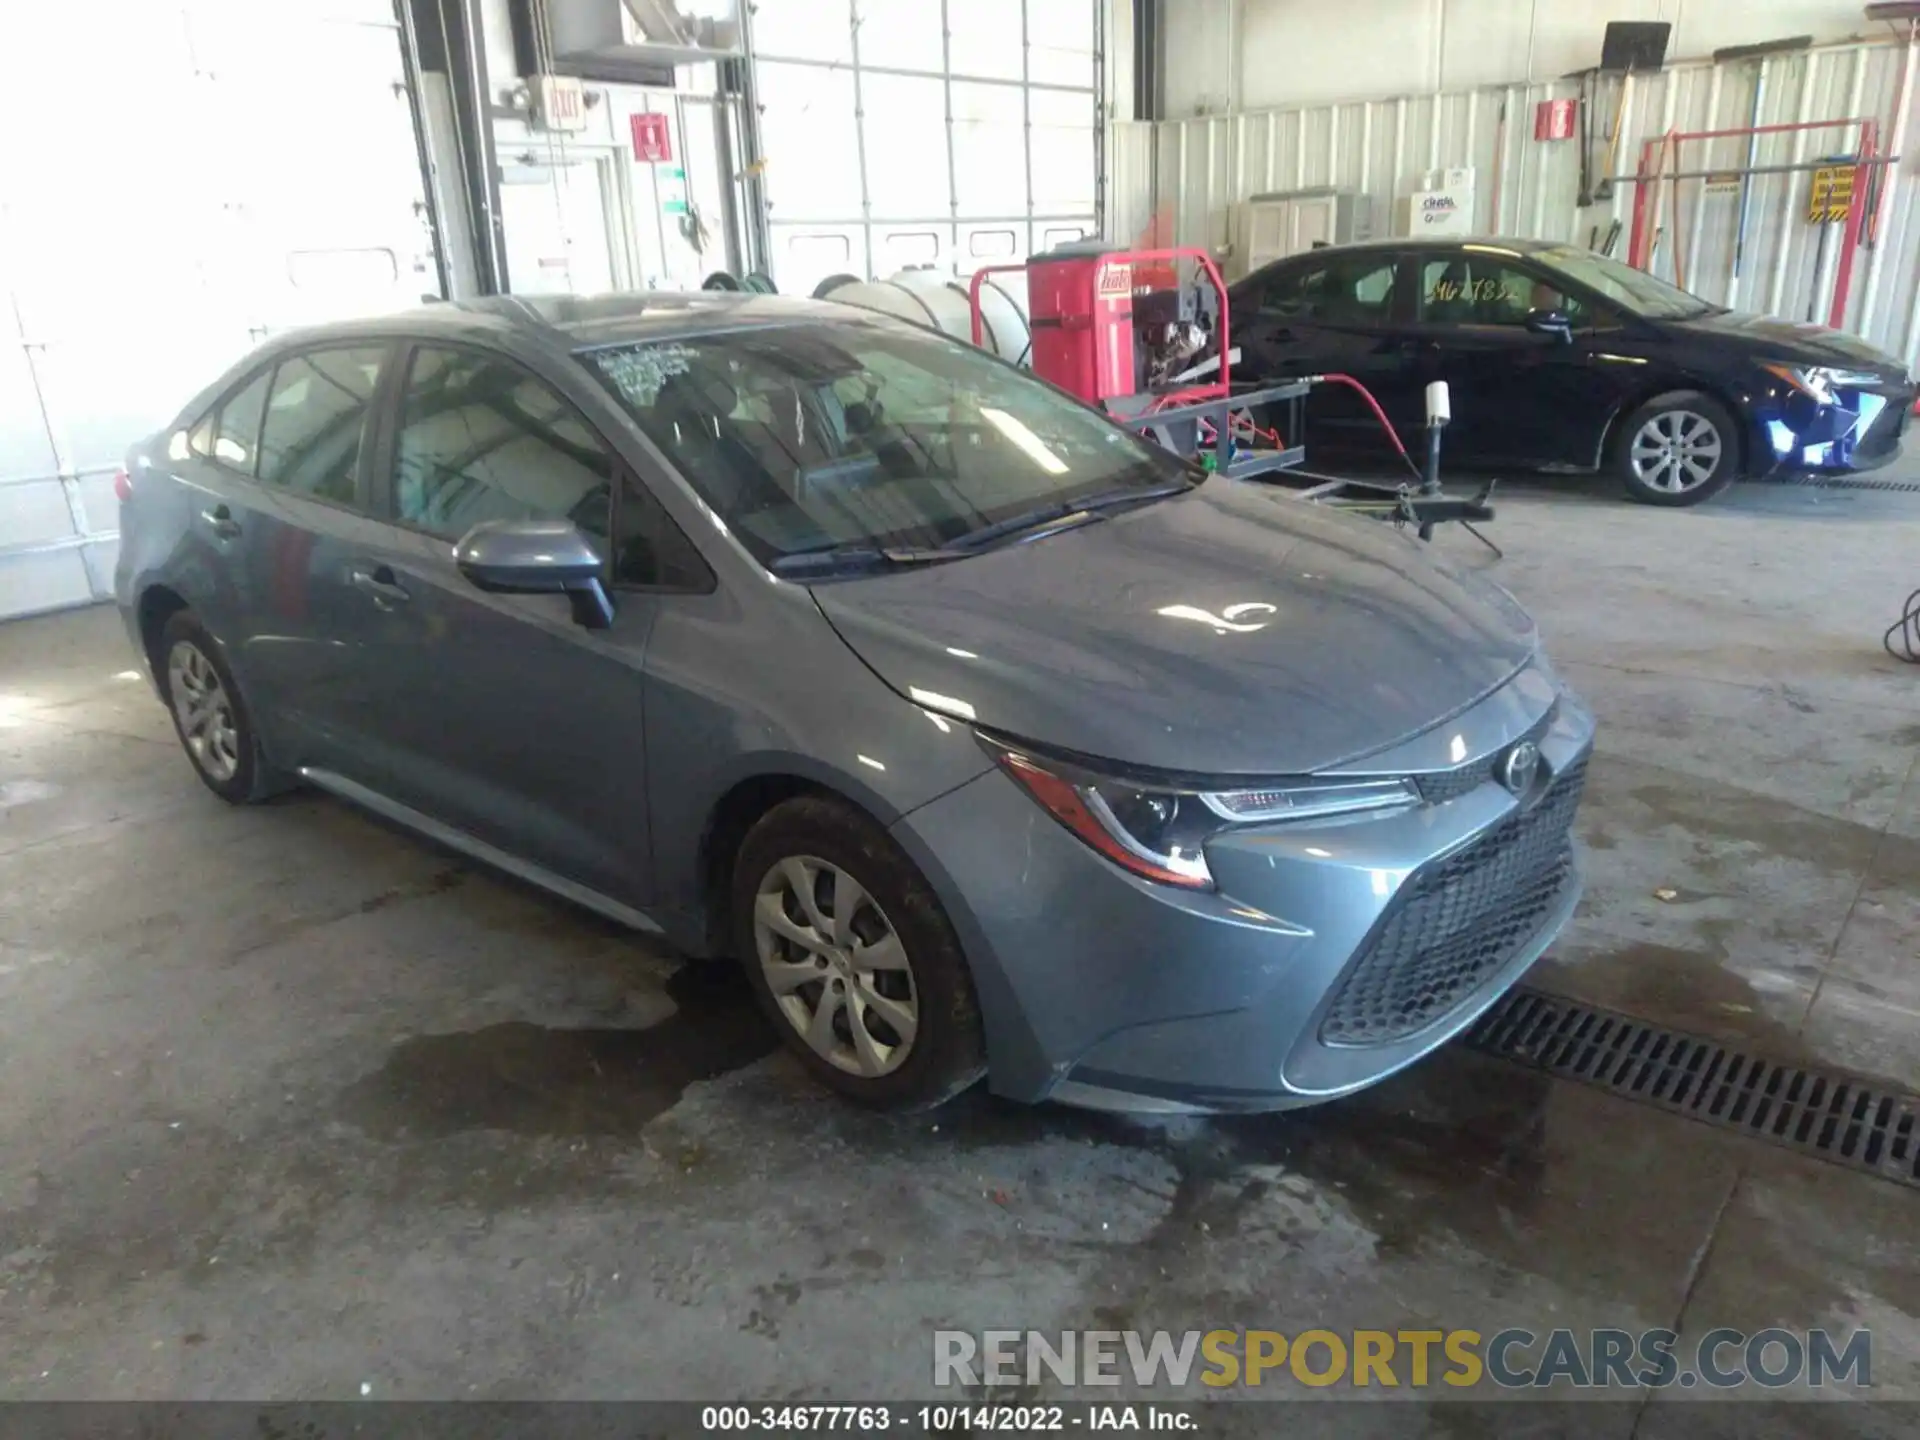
1331,954
1862,430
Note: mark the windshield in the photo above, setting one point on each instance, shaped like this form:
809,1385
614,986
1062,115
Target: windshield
816,436
1634,291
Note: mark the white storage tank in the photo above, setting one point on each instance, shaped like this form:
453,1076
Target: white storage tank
938,300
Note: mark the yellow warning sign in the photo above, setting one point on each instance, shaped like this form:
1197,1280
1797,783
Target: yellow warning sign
1831,199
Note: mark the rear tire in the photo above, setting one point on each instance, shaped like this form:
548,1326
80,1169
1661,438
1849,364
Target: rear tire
210,716
1677,449
829,914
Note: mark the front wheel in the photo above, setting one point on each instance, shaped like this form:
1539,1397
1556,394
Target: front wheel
852,956
1678,449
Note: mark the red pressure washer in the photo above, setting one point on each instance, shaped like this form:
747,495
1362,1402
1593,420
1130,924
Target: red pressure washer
1109,323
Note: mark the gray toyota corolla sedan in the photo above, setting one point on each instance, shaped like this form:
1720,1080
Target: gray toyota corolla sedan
990,739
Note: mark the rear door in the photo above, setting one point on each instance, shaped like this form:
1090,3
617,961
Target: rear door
1517,397
499,715
298,431
1333,312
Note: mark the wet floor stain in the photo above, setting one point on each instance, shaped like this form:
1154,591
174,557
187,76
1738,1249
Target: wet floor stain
536,1080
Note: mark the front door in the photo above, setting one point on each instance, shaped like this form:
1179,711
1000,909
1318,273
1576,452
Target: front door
1335,314
1518,397
504,718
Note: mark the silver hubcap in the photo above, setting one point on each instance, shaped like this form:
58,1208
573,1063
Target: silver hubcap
205,713
1676,451
835,966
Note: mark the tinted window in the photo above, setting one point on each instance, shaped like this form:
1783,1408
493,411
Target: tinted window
481,439
1465,288
311,437
236,430
805,437
649,549
1341,290
1633,290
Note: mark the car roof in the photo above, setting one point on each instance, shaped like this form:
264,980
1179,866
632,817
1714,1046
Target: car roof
581,322
1435,242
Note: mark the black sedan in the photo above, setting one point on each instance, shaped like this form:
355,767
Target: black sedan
1562,359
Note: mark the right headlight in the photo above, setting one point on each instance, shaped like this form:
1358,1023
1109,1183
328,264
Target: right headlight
1160,831
1822,381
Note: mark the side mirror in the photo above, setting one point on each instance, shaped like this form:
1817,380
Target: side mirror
537,557
1551,322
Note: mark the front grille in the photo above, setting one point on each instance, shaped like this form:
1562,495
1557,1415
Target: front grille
1440,786
1458,921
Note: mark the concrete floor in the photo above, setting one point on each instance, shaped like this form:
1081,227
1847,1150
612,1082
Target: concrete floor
292,1105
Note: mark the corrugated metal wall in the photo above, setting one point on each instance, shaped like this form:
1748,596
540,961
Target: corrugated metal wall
1197,170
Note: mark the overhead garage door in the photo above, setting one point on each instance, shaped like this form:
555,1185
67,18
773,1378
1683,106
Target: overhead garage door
177,181
952,133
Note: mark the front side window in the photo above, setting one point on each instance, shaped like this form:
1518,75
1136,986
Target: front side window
482,439
1355,289
310,435
808,437
1471,288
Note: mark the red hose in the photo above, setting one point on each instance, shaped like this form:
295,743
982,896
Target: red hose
1378,413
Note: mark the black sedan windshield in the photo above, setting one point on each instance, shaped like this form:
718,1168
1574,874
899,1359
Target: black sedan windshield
818,436
1632,290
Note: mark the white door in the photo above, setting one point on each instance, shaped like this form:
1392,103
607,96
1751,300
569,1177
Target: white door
187,190
556,222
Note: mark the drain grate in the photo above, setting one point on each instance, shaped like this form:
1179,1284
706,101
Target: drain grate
1835,482
1831,1117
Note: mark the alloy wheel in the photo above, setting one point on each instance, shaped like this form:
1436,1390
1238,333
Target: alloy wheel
836,966
1676,451
204,711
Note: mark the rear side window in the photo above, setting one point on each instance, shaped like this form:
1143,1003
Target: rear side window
1343,290
310,438
230,433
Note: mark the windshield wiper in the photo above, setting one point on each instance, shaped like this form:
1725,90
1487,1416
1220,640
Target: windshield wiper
859,557
1064,509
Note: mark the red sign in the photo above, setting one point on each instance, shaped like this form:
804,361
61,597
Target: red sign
652,139
1553,119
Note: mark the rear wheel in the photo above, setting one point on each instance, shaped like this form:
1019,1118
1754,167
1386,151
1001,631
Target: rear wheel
213,723
1678,449
851,955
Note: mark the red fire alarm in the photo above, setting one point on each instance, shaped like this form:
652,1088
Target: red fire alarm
652,139
1552,119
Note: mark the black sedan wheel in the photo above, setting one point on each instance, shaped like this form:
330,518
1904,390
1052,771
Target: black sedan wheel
1678,449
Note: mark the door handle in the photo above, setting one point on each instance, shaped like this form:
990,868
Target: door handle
220,520
379,583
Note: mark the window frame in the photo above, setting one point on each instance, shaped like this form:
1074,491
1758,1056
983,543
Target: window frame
392,402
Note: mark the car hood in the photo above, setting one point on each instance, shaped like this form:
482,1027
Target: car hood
1790,340
1230,630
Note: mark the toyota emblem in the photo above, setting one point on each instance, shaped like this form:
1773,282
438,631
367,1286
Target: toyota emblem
1520,766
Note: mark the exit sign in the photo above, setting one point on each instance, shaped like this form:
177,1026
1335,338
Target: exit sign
652,138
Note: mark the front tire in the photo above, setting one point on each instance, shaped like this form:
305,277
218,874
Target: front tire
1678,449
853,958
212,720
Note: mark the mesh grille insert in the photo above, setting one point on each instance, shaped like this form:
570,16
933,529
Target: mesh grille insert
1458,922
